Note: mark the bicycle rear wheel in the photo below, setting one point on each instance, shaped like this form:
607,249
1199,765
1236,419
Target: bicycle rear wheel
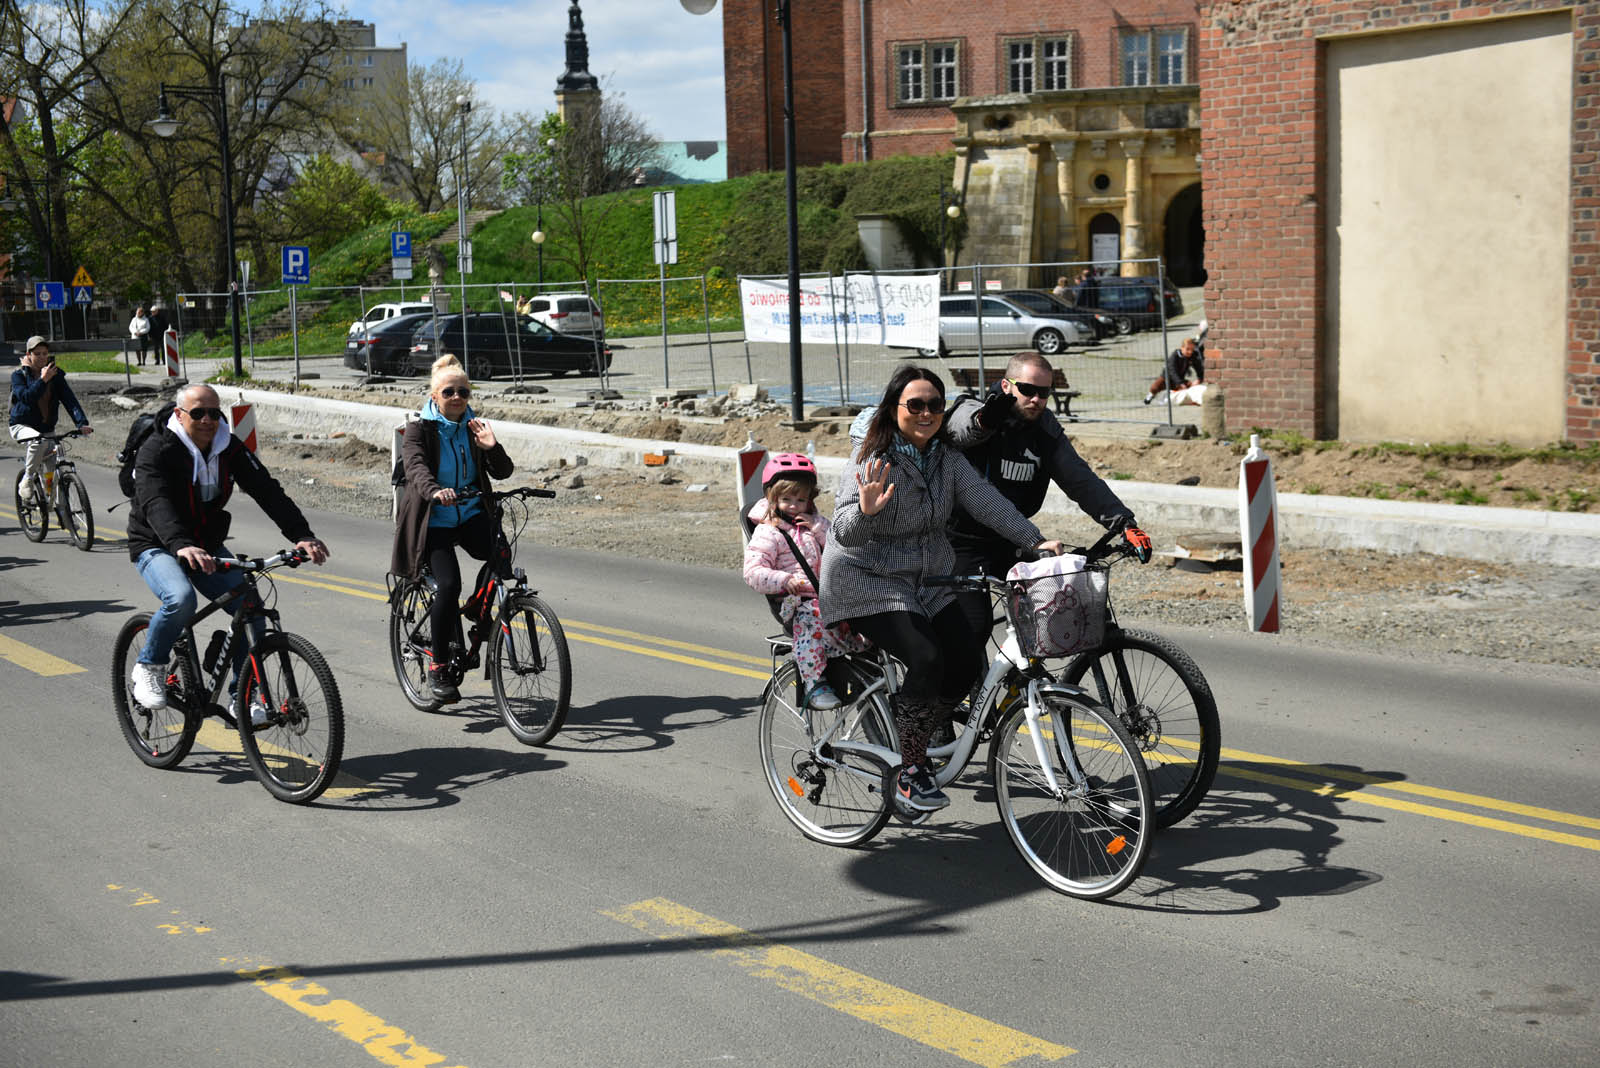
531,670
408,643
834,797
33,516
161,737
1089,836
296,751
77,518
1159,694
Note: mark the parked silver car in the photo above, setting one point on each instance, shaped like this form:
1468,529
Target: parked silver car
568,313
1006,325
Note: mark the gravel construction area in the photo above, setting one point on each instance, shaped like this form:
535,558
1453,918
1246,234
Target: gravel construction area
1420,604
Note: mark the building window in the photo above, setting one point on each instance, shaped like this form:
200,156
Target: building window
1042,63
349,83
926,72
349,60
366,60
366,83
1155,57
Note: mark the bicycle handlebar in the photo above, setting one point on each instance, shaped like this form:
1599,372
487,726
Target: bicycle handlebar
291,557
469,493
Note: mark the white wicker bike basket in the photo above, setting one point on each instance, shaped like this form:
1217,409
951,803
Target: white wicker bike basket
1057,607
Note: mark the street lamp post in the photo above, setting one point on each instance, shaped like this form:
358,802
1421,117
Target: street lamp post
538,234
164,125
949,208
464,243
782,9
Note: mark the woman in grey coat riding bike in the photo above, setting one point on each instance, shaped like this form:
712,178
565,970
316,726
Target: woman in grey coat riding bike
448,450
892,506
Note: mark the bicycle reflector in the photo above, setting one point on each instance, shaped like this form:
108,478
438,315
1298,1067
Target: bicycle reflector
1116,845
796,787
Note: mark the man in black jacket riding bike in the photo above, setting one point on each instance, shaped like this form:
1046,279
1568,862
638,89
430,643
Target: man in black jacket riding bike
1016,442
184,474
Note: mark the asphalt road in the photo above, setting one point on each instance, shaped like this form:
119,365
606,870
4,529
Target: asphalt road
1421,893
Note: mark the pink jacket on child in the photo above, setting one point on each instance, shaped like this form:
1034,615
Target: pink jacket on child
768,561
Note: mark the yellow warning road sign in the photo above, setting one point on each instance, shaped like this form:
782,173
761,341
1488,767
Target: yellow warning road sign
82,278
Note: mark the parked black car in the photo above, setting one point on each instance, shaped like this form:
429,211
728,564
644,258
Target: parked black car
498,343
1050,306
389,342
1132,303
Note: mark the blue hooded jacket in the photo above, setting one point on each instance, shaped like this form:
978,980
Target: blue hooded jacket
457,469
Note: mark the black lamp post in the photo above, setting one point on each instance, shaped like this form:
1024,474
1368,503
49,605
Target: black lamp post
544,176
214,97
782,9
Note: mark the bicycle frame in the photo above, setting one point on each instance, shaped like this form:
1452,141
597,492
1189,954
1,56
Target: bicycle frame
251,609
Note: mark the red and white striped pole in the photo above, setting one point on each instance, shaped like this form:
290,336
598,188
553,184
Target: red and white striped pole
244,424
1258,526
169,345
751,459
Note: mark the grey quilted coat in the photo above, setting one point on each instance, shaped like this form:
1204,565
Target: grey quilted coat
878,563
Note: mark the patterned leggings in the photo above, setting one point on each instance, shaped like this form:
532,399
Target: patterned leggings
814,643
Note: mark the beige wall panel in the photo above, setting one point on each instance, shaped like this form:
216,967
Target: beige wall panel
1448,156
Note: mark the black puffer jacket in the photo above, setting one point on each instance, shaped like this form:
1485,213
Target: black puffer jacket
167,510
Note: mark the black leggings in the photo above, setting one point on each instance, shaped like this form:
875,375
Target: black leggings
940,654
478,536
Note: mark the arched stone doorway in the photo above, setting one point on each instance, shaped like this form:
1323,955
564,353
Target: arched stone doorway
1105,241
1185,246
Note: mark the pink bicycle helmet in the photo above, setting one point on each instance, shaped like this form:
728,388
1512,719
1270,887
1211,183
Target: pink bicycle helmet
793,465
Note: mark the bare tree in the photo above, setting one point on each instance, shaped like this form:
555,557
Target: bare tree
605,150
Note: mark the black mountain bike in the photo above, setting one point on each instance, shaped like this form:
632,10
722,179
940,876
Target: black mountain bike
527,660
1161,697
285,704
59,490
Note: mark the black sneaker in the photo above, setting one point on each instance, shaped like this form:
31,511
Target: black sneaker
915,789
442,686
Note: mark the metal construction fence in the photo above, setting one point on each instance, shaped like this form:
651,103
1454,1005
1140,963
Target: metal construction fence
1109,337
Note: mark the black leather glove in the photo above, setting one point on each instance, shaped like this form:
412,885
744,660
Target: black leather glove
996,409
1138,541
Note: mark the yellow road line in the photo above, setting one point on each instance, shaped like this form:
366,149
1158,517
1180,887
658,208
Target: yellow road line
937,1026
217,736
1450,814
384,1042
35,660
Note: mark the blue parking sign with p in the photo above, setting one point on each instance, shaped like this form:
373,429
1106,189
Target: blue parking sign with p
400,244
296,265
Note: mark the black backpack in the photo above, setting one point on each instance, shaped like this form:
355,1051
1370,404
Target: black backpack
142,428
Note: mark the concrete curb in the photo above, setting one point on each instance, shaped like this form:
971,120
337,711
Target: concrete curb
1305,521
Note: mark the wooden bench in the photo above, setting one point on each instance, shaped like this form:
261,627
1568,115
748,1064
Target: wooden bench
1060,392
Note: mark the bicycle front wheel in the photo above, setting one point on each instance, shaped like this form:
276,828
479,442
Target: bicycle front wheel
1084,826
161,737
77,518
531,670
833,796
1159,694
290,718
33,516
408,643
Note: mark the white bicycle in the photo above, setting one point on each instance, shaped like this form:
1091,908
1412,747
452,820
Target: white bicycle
1069,782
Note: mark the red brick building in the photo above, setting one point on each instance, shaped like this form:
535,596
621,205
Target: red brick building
1401,227
887,90
752,47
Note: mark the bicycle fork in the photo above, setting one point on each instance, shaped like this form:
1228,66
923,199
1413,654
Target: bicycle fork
1061,734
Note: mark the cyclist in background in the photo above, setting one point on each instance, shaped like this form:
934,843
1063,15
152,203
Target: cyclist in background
38,392
183,476
1018,445
448,450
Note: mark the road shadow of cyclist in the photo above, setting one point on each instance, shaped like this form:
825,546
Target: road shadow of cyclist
430,776
642,722
1287,819
17,614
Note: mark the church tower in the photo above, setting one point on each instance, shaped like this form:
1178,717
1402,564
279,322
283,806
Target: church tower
577,91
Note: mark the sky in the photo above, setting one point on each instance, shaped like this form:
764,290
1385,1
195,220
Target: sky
665,62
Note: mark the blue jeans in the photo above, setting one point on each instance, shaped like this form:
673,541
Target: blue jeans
177,587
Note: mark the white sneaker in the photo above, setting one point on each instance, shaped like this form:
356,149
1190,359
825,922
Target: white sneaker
259,713
27,491
150,685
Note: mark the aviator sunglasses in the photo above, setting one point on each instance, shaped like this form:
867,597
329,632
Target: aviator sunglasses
456,391
916,406
198,414
1028,389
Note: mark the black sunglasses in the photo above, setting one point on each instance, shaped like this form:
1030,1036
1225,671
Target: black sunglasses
916,406
453,391
1028,389
203,413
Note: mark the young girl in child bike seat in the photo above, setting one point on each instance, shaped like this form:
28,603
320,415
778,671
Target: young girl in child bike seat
449,449
771,567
